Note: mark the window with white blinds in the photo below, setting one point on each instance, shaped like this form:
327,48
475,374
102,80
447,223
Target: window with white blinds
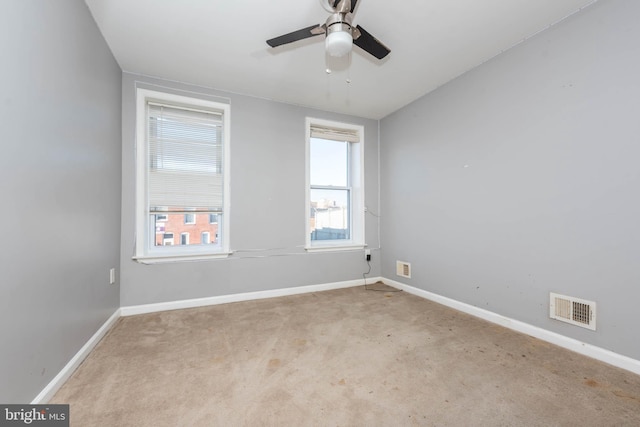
185,159
182,147
335,178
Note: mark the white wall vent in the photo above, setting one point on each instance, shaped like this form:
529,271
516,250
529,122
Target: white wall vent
403,269
573,310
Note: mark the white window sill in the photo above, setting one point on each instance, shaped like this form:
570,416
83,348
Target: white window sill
146,259
331,248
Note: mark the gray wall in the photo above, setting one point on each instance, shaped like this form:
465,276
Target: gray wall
267,207
549,133
60,189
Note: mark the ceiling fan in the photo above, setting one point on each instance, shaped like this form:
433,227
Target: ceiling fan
340,35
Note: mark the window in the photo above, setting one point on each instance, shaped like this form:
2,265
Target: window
213,219
205,238
182,176
167,239
335,200
184,238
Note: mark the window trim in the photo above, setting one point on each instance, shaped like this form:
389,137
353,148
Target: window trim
143,252
356,185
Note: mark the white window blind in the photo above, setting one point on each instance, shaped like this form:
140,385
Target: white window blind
335,134
185,159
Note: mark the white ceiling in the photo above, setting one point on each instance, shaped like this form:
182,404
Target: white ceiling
221,44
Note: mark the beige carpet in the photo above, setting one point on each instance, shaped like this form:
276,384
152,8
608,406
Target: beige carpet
347,357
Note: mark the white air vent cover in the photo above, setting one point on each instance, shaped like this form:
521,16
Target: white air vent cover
403,269
573,310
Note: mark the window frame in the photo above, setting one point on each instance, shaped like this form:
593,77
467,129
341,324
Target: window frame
188,221
355,188
145,251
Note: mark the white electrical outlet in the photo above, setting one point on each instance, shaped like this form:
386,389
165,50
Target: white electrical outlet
112,276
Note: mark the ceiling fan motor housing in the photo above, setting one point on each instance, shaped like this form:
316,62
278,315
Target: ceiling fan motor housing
339,22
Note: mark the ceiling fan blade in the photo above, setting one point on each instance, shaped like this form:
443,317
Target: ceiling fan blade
370,44
294,36
353,5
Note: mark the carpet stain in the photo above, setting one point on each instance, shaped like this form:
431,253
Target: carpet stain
274,363
300,342
342,382
591,383
624,395
617,393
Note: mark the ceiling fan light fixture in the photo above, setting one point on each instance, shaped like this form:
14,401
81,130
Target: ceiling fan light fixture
341,35
338,43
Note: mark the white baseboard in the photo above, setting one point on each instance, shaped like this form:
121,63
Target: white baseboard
248,296
66,372
585,349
